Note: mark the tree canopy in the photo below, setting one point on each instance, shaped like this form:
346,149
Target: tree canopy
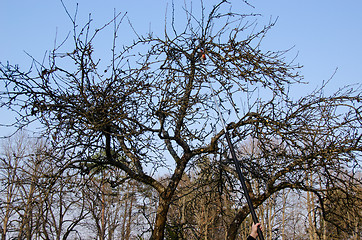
152,107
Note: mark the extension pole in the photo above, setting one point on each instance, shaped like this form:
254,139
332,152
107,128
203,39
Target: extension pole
238,168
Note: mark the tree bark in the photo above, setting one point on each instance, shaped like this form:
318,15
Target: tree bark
161,217
234,226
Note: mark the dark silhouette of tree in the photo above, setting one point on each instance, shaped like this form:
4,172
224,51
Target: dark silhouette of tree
342,210
152,107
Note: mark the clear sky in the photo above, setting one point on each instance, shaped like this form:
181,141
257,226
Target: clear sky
326,34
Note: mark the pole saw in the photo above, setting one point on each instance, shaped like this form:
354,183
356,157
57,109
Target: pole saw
237,166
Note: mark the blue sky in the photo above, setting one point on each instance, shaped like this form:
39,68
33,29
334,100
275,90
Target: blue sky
325,34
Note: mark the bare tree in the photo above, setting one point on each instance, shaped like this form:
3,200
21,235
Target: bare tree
10,167
20,193
343,213
110,205
152,107
62,209
34,204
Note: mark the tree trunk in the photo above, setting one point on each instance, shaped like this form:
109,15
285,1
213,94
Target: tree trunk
123,229
234,226
270,218
103,217
128,229
284,197
161,217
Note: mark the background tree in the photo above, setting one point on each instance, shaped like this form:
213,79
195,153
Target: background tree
343,213
20,195
34,204
151,107
9,179
111,205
